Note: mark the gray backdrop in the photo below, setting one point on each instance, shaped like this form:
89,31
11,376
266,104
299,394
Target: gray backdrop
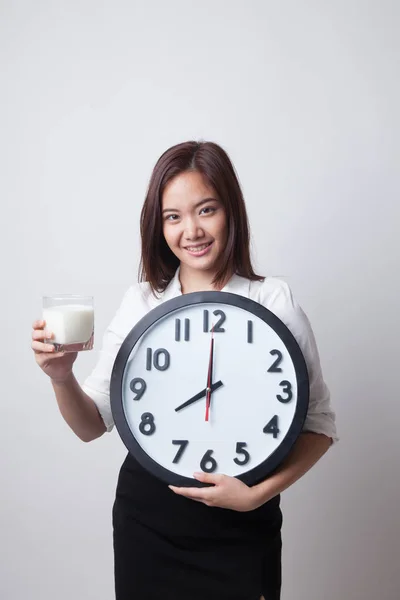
305,98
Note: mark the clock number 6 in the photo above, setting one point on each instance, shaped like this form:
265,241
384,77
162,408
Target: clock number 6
208,463
147,426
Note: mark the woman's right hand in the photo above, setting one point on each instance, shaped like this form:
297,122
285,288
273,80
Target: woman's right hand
57,365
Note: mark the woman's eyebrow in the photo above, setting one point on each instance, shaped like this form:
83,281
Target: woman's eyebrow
195,206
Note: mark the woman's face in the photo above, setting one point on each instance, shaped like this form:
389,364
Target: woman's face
194,221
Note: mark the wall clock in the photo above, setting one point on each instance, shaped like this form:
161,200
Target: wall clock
209,381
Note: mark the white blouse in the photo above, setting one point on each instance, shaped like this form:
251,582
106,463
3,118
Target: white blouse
273,293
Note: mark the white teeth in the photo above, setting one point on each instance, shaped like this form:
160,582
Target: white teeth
198,248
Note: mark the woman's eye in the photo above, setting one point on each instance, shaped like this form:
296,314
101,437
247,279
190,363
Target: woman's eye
208,208
171,217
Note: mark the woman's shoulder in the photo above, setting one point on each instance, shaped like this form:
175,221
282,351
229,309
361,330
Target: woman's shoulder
135,303
272,291
276,295
140,294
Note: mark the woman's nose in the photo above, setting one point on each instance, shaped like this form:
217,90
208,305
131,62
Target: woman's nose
192,231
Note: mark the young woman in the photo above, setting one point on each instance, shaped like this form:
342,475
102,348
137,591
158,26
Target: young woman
220,542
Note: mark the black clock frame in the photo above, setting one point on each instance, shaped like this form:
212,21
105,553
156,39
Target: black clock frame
265,468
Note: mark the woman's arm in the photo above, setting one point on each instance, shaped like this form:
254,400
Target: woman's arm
307,450
229,492
78,409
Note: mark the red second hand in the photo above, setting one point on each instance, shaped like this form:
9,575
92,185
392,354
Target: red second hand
208,396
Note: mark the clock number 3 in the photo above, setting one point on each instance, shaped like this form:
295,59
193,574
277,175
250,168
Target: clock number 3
287,388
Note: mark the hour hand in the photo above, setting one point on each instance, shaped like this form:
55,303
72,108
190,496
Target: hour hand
200,395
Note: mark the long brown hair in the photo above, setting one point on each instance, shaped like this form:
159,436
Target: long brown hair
158,263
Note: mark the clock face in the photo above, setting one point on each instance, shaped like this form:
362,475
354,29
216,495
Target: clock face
209,381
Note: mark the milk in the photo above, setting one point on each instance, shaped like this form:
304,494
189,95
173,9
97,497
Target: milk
70,323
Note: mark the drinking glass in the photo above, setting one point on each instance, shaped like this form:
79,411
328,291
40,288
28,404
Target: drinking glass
71,320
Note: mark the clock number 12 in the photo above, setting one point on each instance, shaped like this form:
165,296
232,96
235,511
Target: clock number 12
217,327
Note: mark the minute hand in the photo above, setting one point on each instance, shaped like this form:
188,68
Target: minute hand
199,396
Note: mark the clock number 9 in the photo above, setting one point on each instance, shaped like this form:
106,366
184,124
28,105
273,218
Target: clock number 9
138,387
147,426
208,463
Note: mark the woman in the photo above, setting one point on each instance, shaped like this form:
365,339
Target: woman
220,542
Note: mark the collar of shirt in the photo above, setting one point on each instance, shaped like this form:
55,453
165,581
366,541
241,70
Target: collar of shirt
236,285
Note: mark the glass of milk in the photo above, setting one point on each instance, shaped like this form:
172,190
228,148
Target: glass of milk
71,320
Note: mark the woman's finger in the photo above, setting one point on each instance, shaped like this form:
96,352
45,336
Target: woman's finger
201,494
213,478
38,324
40,347
41,334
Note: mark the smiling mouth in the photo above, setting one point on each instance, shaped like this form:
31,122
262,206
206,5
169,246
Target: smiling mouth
195,249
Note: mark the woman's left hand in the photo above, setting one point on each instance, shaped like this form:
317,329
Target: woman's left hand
226,492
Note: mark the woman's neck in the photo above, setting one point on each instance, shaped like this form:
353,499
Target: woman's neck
196,281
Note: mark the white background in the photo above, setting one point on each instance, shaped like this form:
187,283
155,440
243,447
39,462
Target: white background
305,98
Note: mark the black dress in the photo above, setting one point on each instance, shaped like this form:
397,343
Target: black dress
167,547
